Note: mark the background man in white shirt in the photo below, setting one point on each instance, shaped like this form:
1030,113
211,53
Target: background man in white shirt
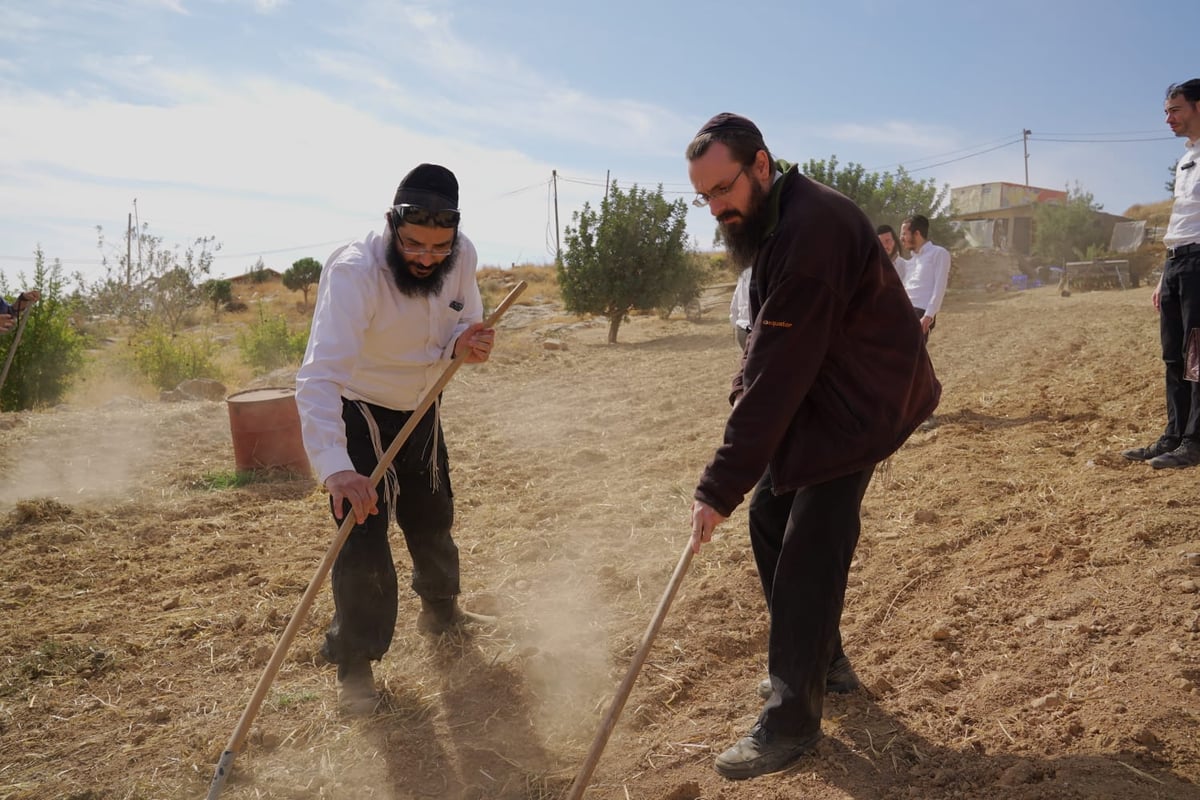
1177,297
391,310
927,272
739,308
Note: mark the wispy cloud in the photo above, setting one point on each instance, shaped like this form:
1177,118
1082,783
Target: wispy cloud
905,136
467,86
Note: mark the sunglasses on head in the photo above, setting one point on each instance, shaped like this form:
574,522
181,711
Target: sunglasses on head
419,215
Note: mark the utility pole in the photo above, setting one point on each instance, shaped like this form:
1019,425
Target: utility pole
1025,144
139,238
607,172
557,246
129,251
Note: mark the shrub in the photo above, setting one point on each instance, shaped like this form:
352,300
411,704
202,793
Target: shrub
167,360
268,343
50,351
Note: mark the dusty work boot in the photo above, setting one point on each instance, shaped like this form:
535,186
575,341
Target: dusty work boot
840,679
761,752
442,616
1186,455
356,688
1164,445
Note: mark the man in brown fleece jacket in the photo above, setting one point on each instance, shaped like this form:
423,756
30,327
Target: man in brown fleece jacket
834,378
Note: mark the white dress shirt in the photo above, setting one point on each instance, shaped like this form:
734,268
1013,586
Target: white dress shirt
370,341
739,306
1184,225
927,273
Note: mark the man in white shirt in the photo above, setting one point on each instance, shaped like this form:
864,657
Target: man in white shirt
927,270
739,308
391,310
1177,297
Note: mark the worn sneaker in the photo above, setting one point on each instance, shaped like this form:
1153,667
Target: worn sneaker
761,752
839,680
1186,455
442,616
1163,446
356,688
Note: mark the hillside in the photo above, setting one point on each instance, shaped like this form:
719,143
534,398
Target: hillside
1023,607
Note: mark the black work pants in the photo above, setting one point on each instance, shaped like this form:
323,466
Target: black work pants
364,576
1179,312
803,543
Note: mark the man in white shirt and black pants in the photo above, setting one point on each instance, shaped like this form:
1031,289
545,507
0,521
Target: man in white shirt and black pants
391,310
926,273
1177,297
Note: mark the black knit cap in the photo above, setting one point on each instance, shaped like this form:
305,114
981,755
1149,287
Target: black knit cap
430,186
726,121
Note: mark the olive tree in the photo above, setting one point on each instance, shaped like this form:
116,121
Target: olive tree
160,287
630,255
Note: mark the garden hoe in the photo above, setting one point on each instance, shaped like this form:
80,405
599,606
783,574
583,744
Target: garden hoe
12,348
225,765
584,776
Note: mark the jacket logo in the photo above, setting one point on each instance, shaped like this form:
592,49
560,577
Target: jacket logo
776,324
456,305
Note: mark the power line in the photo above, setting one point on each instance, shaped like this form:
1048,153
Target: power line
278,250
1106,133
1101,141
522,189
963,158
940,155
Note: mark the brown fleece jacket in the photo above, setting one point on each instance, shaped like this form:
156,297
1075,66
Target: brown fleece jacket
835,375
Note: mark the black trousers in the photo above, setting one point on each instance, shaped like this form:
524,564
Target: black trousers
1179,312
803,543
364,575
932,322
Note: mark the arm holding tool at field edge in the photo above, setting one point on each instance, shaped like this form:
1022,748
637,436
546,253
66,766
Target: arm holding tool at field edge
705,519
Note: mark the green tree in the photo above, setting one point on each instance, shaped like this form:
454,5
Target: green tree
627,256
302,275
218,291
1067,232
50,351
888,198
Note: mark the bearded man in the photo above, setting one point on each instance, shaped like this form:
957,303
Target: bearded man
391,310
834,378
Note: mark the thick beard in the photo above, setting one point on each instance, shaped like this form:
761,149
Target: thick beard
744,236
410,284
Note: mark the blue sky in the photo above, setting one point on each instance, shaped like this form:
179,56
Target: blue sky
282,128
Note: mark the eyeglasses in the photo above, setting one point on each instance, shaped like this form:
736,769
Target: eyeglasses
424,251
419,215
702,199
